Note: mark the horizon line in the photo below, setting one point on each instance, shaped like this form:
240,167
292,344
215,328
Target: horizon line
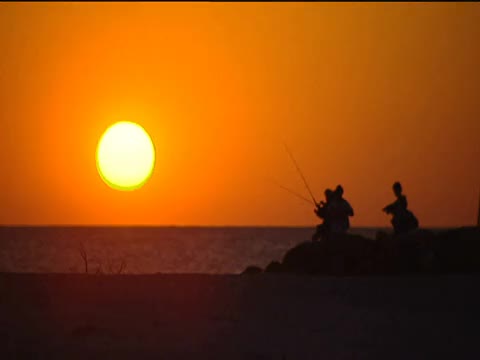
207,226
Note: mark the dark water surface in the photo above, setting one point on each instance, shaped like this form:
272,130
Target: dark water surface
214,250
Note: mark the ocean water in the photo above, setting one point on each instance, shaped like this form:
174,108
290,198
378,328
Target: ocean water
144,250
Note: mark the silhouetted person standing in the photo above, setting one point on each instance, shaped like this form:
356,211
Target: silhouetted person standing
403,219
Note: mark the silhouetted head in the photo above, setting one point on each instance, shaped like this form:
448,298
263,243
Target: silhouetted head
397,189
339,191
328,194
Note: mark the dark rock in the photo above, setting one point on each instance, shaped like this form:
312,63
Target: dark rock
342,254
457,250
274,267
419,251
252,270
307,257
382,236
413,251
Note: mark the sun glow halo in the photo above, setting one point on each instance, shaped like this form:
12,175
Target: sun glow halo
125,156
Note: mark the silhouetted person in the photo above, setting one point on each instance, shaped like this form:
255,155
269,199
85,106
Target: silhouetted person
323,211
342,210
403,219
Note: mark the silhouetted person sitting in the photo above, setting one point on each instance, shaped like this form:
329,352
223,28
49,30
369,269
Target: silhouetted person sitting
341,211
403,219
323,211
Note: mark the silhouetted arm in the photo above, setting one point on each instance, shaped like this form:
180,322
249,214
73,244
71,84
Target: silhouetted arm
320,211
389,208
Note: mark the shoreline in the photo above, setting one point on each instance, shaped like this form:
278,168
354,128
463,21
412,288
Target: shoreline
212,316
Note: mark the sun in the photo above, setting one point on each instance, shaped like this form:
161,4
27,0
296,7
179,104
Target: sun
125,156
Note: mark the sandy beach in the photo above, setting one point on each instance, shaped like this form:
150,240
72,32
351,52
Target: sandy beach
265,316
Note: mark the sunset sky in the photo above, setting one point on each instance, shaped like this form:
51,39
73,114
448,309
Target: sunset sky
363,94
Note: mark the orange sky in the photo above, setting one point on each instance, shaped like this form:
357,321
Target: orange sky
364,94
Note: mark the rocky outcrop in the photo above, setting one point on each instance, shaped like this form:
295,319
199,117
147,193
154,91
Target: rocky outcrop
342,254
457,250
274,267
420,251
252,270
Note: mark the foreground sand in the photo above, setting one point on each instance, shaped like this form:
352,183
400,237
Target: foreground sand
266,316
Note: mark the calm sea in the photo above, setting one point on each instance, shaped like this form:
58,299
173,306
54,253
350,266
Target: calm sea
137,250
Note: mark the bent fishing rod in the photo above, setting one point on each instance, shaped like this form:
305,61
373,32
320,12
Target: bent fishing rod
293,192
300,173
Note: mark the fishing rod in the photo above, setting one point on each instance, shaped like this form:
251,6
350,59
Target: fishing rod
293,192
301,174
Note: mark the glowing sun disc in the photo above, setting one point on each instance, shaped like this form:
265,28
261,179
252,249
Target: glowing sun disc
125,156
